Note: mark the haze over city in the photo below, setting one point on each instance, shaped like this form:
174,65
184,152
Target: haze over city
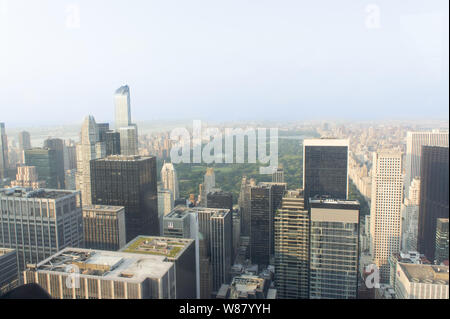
223,60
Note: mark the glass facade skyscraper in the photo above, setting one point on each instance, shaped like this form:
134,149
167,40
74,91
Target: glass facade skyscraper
434,203
46,162
128,181
334,249
325,168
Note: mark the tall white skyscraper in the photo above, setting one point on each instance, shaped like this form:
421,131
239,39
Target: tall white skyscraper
123,110
128,130
385,212
170,180
4,162
414,143
89,148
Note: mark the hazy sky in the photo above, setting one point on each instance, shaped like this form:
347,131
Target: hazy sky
223,59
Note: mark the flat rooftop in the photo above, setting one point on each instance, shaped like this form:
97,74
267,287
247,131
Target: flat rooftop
430,274
106,264
4,251
179,212
123,158
23,192
182,211
160,246
247,283
103,208
331,201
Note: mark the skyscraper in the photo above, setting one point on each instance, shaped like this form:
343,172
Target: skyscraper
260,224
128,130
45,161
128,140
104,227
128,181
334,249
123,109
39,223
441,253
169,179
278,175
88,149
209,183
325,168
57,145
414,143
24,144
219,199
24,140
244,204
221,239
27,176
292,247
4,162
434,203
410,217
385,211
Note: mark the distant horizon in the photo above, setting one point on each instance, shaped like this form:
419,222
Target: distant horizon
223,60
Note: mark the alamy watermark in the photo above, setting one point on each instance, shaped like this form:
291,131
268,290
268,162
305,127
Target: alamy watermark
220,146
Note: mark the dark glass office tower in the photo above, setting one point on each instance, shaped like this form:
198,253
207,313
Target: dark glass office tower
219,199
57,145
110,138
46,163
221,241
434,188
112,143
278,191
128,181
260,224
441,253
325,168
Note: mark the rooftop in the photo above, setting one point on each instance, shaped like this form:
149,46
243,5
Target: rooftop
162,246
179,212
123,158
325,141
4,251
332,201
103,208
106,264
22,192
430,274
123,90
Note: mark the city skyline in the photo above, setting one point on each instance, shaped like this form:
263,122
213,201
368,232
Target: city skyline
224,150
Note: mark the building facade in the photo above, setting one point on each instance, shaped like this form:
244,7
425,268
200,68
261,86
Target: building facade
325,168
414,143
128,181
434,199
75,273
104,227
334,249
292,247
39,223
9,274
385,211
